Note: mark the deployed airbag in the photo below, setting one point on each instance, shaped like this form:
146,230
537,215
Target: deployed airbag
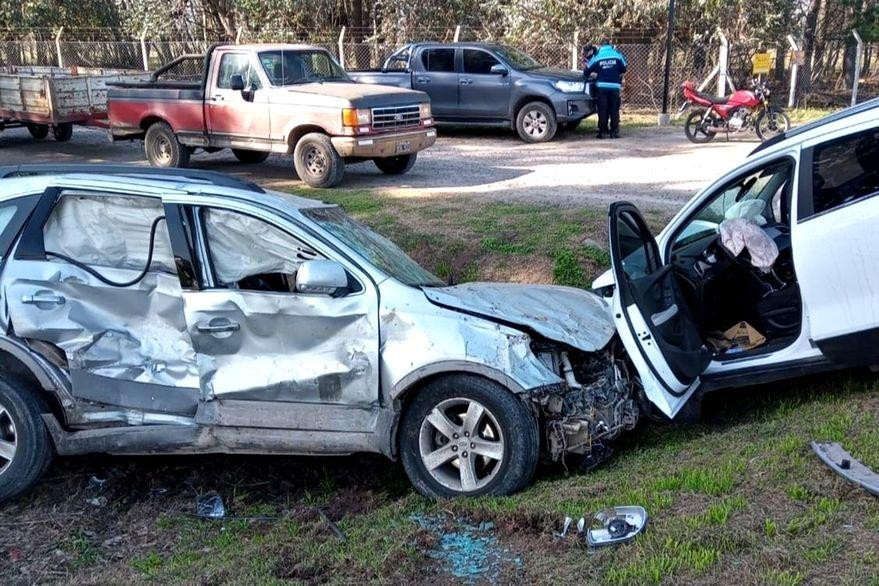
109,231
243,246
738,234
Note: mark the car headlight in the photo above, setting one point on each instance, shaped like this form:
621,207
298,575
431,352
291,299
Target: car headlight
570,87
425,110
358,117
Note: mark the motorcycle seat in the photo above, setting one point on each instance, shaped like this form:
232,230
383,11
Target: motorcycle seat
711,98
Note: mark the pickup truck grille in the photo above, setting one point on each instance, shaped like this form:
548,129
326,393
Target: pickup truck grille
396,117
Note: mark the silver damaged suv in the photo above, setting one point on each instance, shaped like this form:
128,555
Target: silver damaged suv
181,311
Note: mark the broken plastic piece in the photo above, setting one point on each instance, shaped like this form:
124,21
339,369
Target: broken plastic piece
210,506
565,527
841,462
616,525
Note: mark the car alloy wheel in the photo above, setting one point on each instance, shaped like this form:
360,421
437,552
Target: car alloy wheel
8,439
535,123
461,444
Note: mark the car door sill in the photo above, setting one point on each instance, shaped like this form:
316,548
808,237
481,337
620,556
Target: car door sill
767,373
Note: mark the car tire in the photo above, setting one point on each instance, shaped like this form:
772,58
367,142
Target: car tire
63,132
505,427
162,148
396,165
316,161
22,430
249,157
693,128
536,122
38,131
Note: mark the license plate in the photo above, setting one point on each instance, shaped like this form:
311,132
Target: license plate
403,146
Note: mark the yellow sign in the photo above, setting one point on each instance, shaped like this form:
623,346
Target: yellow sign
762,63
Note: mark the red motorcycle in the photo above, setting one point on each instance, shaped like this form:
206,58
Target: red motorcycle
744,110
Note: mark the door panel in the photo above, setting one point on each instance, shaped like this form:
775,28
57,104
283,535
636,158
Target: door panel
483,94
125,345
236,118
272,344
834,245
437,75
652,318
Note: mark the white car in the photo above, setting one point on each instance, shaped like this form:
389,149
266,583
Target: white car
176,311
805,207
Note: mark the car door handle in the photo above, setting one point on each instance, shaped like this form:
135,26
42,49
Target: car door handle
422,80
217,98
41,298
218,327
466,81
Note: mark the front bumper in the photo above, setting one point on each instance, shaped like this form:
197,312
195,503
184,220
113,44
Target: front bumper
384,145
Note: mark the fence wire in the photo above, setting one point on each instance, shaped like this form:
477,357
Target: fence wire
821,85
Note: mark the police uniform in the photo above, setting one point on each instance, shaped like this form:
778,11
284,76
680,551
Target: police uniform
609,65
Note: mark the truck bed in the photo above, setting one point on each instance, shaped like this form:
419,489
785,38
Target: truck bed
51,95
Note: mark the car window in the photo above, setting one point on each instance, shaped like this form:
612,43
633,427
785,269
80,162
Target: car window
300,66
845,170
250,254
438,59
762,195
635,247
478,62
237,64
108,231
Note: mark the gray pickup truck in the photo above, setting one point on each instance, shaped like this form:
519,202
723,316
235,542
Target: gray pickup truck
488,84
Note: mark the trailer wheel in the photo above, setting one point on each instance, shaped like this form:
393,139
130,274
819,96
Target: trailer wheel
249,157
317,162
63,132
38,131
162,147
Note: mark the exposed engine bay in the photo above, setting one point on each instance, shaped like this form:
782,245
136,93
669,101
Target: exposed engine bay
598,402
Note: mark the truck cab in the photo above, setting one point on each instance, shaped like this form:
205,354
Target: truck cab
261,99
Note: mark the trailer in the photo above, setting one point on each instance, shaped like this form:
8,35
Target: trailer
55,98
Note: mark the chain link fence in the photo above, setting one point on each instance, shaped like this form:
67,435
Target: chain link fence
821,86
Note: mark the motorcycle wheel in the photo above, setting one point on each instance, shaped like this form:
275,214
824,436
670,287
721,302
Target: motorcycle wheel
694,130
770,123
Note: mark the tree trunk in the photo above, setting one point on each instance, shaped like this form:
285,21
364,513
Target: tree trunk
809,32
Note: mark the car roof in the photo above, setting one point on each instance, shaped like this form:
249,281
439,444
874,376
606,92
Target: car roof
860,113
17,180
480,44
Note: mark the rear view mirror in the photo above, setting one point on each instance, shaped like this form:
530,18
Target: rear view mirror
498,69
236,83
321,277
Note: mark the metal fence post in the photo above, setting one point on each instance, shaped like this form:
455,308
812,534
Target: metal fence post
342,47
144,52
575,51
58,47
857,72
238,36
794,72
457,33
722,64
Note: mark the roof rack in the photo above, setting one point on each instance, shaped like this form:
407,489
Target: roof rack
192,175
845,113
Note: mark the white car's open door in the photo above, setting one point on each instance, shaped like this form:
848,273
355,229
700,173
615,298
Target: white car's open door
652,318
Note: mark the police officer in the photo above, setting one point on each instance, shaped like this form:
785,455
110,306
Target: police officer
608,66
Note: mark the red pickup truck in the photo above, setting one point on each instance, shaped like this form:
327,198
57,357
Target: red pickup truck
261,99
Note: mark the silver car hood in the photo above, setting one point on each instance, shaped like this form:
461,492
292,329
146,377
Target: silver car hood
571,316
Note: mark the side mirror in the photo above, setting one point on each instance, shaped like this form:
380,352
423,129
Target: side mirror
236,83
498,69
321,277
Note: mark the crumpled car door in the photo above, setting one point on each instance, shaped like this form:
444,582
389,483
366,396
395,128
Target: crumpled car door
652,317
124,345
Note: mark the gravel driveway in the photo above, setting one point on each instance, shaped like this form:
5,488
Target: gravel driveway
655,168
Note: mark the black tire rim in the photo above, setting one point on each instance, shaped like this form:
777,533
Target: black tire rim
8,439
461,445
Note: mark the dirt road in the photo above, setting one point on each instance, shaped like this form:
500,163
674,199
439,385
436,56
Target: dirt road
655,168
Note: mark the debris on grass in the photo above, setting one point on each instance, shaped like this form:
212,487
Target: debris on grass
467,551
210,506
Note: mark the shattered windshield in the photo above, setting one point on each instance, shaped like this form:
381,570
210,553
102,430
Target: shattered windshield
286,67
380,251
518,59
